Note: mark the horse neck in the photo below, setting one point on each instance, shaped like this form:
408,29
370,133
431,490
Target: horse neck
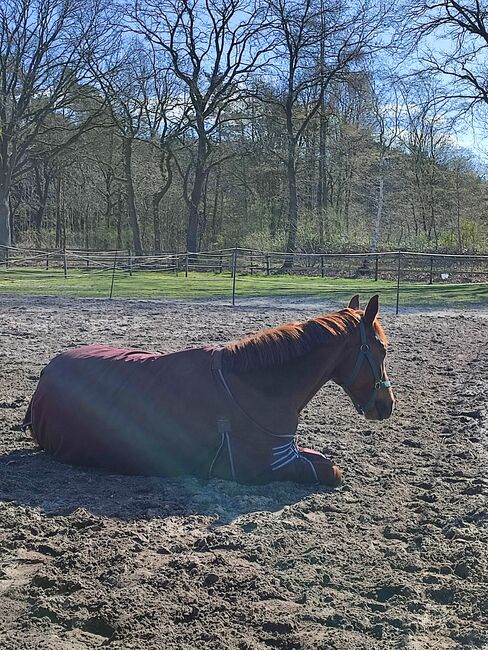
295,383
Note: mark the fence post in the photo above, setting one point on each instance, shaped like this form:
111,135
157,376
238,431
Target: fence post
267,264
221,262
129,261
186,265
47,261
234,274
398,282
65,264
431,279
376,264
322,265
6,257
252,264
113,275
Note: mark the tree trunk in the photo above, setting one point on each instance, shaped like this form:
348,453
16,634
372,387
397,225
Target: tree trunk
43,182
5,232
292,203
167,176
379,212
322,180
131,198
458,213
196,197
59,225
215,225
156,200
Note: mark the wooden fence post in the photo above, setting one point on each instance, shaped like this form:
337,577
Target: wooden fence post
322,270
267,263
431,278
129,261
65,264
186,265
376,269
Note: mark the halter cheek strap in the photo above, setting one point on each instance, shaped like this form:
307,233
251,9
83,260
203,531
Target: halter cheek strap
379,382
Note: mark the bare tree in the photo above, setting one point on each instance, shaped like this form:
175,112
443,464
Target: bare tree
213,46
165,117
425,127
386,115
124,81
452,42
318,43
44,45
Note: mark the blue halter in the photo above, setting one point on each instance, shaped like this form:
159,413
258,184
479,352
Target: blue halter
379,382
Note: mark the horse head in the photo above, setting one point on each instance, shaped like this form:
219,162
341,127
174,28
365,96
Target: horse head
362,371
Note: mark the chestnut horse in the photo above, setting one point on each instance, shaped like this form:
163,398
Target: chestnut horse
229,412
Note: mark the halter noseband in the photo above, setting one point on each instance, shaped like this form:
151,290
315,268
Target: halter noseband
379,382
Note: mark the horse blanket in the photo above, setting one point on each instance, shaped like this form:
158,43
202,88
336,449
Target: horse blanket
134,412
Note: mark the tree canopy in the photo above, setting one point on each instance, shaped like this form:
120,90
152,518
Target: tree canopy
274,124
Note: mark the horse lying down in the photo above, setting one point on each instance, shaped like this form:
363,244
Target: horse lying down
229,412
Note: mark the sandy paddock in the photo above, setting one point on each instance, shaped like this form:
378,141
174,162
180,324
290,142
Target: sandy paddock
395,559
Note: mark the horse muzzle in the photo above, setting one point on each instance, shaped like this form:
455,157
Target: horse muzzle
382,410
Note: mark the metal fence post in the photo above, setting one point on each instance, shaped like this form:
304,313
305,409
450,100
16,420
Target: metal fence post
234,274
113,275
398,282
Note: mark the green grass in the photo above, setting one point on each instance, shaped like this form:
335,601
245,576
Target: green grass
154,285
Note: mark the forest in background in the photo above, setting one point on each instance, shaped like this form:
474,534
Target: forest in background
271,124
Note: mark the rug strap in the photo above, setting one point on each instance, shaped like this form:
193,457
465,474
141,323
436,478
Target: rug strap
224,428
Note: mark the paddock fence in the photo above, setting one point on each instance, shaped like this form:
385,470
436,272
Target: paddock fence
245,268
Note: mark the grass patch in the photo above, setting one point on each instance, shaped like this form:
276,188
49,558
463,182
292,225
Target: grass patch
157,285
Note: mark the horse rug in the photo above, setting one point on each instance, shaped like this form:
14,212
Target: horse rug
134,412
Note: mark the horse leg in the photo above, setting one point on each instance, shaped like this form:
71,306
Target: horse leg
309,466
327,472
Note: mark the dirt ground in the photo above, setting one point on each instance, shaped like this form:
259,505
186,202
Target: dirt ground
396,558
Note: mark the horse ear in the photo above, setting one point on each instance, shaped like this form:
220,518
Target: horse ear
354,302
372,309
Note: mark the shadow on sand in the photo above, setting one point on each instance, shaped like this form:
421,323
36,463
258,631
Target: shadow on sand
31,478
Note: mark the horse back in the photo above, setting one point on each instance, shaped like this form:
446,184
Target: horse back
127,410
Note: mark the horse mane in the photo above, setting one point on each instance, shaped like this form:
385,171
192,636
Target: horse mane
277,346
